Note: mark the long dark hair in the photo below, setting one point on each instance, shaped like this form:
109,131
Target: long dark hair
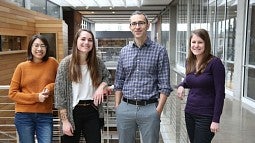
30,44
92,61
207,56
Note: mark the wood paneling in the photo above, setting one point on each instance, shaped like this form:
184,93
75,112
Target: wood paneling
18,21
8,64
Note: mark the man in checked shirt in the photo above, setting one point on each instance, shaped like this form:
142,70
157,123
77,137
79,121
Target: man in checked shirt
142,84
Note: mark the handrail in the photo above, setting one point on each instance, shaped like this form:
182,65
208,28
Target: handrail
4,87
8,135
12,135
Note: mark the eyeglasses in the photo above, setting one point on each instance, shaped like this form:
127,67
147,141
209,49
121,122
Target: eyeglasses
39,45
139,23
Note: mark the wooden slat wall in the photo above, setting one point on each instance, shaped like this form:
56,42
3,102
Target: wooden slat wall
18,21
8,64
58,27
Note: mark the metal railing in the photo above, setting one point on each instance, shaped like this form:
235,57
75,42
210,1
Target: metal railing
8,133
7,128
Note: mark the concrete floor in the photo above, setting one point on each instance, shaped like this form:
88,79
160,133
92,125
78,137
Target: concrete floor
237,124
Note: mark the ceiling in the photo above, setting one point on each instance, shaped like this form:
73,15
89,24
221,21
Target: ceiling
114,11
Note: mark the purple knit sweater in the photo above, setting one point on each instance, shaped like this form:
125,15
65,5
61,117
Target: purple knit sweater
207,91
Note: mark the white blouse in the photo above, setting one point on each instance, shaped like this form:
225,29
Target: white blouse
83,90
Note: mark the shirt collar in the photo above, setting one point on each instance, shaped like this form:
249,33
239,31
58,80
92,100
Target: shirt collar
147,43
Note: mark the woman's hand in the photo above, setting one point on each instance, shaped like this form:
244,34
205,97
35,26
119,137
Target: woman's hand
67,128
108,90
180,92
98,95
214,127
44,94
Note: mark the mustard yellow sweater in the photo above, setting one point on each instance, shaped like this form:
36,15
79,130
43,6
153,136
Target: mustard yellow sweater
29,79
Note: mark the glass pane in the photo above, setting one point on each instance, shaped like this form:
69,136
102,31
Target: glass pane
229,74
231,31
251,83
250,52
38,5
198,14
220,21
229,47
165,30
19,2
53,10
10,43
181,32
211,23
251,40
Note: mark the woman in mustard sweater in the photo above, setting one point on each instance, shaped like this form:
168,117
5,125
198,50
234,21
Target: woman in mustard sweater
32,88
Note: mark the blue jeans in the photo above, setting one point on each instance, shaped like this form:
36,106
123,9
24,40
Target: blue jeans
145,118
30,124
198,128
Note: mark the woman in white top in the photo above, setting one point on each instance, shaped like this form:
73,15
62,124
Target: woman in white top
81,81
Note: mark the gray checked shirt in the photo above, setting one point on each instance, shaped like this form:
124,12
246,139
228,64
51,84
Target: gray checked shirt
143,73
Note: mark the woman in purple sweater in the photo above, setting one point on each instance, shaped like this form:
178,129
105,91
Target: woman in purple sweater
205,79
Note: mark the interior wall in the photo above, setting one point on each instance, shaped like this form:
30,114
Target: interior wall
18,21
73,20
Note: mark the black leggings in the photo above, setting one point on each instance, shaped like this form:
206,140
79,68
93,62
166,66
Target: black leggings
86,120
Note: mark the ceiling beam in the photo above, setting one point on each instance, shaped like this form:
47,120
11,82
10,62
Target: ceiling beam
124,3
139,3
97,3
148,7
111,3
74,3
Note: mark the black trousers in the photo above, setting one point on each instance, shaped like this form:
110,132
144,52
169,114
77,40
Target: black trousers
86,119
198,128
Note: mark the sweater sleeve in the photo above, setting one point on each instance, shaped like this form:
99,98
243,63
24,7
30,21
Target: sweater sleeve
50,86
61,85
15,91
106,76
183,84
218,71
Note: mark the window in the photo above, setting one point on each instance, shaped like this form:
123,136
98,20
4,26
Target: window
38,5
229,47
11,43
20,3
53,10
181,33
249,67
165,30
